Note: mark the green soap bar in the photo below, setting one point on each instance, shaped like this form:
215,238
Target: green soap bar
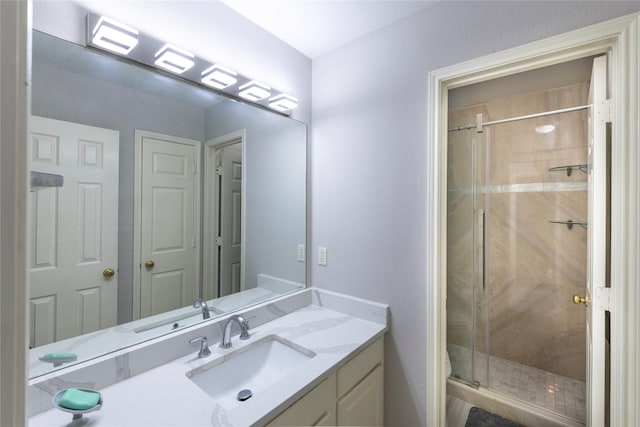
77,399
59,355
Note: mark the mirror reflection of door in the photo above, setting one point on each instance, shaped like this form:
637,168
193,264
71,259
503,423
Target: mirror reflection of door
168,222
223,226
229,239
74,237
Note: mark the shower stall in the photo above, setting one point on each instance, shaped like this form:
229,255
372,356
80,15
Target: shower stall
517,246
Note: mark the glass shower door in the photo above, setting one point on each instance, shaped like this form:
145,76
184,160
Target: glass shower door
466,263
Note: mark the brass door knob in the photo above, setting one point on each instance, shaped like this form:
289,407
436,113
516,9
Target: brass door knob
149,264
580,300
108,272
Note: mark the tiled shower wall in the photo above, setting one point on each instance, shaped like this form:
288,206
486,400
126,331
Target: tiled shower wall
534,266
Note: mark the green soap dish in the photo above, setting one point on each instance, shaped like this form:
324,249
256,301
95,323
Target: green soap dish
82,397
58,358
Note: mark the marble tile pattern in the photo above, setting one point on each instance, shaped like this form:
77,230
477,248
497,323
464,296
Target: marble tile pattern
557,393
505,406
111,340
165,395
534,267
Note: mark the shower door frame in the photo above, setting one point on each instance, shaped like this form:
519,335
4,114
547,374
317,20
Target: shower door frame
621,37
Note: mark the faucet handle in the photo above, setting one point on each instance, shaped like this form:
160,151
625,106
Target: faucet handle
204,346
244,329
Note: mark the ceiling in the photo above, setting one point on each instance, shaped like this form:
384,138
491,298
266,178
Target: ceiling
316,27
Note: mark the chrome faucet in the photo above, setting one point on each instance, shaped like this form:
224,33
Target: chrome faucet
244,328
202,304
204,346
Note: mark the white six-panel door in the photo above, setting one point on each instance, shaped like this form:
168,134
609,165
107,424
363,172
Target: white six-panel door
223,226
73,230
230,233
168,222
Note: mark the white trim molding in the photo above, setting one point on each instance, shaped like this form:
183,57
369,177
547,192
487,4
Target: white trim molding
15,60
621,37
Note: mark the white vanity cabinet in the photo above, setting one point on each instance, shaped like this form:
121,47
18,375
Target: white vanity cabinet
352,396
361,388
316,408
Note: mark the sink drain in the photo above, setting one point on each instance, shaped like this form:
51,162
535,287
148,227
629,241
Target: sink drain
244,394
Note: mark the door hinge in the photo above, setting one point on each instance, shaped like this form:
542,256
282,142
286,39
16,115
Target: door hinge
603,111
219,241
219,170
195,168
603,298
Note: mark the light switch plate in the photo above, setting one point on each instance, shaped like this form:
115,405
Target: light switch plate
301,254
322,255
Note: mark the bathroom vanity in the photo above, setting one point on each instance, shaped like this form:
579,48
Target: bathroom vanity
353,395
313,358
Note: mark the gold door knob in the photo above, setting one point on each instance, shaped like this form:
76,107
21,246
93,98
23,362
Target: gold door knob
580,300
108,272
149,264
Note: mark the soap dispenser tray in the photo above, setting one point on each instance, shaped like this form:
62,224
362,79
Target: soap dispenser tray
77,413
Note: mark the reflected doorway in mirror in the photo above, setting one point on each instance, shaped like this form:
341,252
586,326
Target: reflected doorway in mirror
167,221
224,211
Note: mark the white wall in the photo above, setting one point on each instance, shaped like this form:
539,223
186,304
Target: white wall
369,160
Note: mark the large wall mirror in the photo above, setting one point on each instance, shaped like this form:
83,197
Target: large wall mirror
154,204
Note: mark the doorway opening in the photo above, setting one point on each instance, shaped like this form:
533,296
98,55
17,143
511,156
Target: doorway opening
517,235
224,212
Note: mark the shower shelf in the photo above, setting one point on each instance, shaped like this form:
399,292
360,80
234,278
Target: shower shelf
570,223
570,168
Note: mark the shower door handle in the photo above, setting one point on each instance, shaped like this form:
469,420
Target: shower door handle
484,251
482,247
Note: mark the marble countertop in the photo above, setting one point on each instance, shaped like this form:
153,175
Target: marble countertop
94,344
165,396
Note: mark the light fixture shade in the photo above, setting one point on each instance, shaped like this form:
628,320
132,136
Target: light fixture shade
545,128
283,102
174,59
114,36
219,77
254,91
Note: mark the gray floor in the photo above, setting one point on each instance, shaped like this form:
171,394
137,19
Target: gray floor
562,395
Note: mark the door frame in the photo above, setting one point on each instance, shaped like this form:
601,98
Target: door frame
137,211
210,210
15,108
621,36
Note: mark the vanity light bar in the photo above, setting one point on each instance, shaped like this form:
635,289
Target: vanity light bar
254,91
283,102
174,59
114,36
219,77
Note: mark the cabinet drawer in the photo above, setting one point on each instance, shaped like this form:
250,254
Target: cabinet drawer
357,368
364,404
316,408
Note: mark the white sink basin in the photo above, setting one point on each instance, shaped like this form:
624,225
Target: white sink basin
177,322
253,368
